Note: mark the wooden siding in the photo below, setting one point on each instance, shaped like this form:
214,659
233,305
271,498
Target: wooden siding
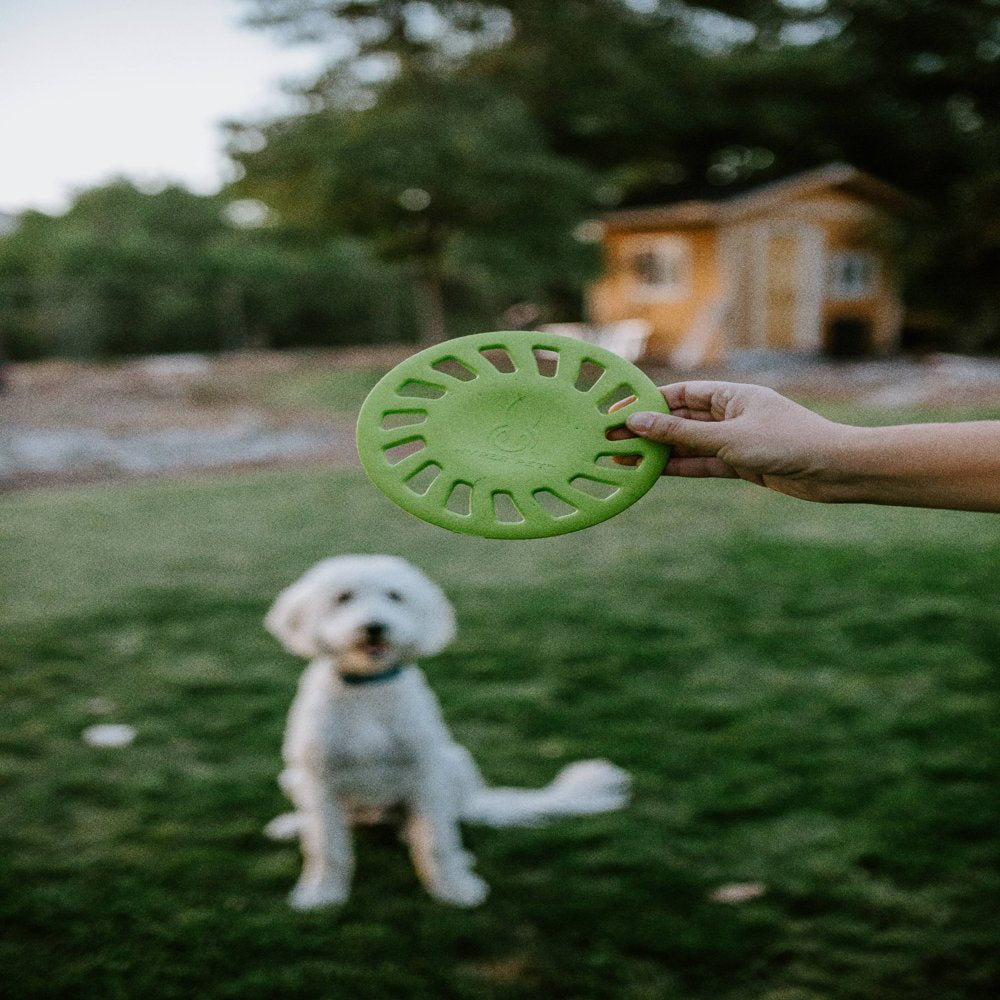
860,228
618,294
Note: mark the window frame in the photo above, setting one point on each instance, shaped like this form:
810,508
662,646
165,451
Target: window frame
839,288
673,255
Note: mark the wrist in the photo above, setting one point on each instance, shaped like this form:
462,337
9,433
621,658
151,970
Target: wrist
849,466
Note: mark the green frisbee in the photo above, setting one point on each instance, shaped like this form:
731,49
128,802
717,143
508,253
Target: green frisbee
503,435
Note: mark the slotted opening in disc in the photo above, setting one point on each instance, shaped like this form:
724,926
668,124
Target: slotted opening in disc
625,460
460,500
506,510
454,368
547,361
424,478
607,401
594,487
500,359
403,418
421,390
403,450
589,375
554,505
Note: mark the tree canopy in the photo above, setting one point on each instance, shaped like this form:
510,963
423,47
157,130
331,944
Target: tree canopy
443,167
126,271
647,101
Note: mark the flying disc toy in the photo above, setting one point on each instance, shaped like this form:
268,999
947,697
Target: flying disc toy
503,435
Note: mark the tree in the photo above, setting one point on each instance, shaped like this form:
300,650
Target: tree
447,176
126,272
115,274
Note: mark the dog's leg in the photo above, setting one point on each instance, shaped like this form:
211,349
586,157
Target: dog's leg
435,844
328,861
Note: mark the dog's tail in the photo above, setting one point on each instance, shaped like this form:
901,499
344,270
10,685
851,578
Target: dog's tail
581,789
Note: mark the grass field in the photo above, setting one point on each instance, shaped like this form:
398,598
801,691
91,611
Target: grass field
806,697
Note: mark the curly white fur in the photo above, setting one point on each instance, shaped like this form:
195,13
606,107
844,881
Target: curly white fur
364,737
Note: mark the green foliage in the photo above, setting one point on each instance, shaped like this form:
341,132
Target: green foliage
806,697
125,272
666,101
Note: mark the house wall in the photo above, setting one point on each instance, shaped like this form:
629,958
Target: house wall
843,224
742,272
619,294
851,225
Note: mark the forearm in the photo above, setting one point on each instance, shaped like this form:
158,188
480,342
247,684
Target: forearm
955,466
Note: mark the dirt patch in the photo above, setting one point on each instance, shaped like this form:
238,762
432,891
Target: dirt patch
66,422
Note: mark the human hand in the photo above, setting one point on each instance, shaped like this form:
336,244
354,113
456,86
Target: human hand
730,430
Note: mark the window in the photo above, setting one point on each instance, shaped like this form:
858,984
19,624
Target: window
852,275
661,268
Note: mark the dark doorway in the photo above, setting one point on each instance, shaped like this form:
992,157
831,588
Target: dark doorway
849,337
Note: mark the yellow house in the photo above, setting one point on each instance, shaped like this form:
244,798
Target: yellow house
804,264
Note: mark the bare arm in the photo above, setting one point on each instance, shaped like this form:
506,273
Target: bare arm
752,433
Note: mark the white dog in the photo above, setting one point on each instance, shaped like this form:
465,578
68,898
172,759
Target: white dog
365,735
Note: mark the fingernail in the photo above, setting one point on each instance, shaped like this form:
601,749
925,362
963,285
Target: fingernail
640,422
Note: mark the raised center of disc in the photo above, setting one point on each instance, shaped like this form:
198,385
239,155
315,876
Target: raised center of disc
513,430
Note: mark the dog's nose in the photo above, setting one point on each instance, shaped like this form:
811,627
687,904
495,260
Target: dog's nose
375,631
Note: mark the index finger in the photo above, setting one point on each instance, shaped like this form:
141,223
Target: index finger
693,399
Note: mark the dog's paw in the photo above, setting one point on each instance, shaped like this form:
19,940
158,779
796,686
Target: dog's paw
317,895
287,826
465,890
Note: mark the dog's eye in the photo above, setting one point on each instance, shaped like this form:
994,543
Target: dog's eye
394,595
343,597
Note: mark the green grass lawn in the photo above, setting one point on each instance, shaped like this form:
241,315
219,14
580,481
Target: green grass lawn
806,697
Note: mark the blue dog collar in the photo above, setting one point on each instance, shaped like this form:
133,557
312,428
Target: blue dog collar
357,680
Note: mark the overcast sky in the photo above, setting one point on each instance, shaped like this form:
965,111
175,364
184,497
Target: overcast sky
91,89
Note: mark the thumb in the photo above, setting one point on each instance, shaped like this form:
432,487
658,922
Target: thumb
700,435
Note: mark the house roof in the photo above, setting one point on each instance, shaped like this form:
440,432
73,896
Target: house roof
836,176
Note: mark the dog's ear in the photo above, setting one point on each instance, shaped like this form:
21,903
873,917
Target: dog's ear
438,625
285,619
